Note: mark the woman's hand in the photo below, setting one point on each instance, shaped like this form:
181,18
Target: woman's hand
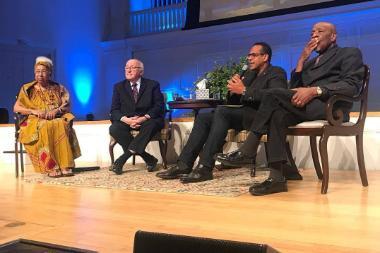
51,114
38,113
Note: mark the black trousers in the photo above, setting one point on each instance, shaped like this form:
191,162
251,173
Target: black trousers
276,113
208,134
121,133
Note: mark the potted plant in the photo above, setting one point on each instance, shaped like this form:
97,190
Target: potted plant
217,78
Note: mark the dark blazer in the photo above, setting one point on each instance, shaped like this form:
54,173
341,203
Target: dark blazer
150,100
339,71
272,77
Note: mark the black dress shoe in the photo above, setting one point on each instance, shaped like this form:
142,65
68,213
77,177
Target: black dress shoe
269,186
235,158
152,166
117,166
173,172
199,174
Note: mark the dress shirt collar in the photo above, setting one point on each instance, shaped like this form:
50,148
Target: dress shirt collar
138,84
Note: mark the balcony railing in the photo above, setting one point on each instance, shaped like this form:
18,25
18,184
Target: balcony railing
158,19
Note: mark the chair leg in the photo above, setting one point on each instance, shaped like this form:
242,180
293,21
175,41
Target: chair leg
16,159
290,157
134,159
253,170
325,163
110,150
163,150
314,155
22,158
360,155
266,152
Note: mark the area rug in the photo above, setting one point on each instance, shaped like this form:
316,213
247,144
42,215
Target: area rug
231,182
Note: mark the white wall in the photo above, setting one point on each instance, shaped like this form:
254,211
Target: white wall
94,139
73,30
178,58
70,31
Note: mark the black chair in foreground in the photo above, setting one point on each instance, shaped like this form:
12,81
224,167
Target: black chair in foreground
151,242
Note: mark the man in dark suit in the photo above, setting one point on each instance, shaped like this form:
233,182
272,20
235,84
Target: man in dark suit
334,71
137,103
210,129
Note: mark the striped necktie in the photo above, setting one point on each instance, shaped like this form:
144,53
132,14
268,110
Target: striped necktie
135,92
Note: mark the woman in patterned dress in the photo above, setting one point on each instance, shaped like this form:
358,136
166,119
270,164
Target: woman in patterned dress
46,128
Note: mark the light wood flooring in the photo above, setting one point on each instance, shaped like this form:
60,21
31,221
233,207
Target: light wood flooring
347,219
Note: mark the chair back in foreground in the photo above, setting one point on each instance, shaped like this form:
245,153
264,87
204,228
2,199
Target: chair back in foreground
151,242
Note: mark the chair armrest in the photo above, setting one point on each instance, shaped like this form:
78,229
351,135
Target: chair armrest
18,117
336,118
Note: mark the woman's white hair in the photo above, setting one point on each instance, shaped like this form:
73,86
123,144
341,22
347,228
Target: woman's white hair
44,61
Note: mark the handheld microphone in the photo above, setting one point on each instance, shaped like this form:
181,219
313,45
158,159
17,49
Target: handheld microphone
241,74
243,70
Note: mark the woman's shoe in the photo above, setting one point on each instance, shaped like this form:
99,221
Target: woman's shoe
67,173
55,173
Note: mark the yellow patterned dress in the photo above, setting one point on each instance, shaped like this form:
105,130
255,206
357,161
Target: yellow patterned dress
50,144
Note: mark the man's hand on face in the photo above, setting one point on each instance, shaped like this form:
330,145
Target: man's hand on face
235,85
310,46
303,96
308,49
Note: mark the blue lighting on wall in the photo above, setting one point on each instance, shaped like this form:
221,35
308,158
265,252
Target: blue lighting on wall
83,85
138,5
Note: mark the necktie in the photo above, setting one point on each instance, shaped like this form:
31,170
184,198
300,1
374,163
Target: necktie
135,92
317,60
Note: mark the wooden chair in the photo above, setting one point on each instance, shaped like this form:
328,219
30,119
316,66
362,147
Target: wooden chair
18,148
241,136
162,137
334,126
19,151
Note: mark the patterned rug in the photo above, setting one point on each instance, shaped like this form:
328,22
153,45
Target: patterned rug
231,182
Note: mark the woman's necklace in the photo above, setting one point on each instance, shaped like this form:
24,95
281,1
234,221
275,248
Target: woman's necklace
48,96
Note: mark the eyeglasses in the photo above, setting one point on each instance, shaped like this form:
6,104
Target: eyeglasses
132,68
254,54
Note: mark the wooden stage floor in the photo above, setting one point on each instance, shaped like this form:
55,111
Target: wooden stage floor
347,219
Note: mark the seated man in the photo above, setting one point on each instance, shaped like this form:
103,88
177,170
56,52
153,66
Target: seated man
210,129
335,71
137,103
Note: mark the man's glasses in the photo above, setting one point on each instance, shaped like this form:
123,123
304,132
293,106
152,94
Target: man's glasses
254,55
132,68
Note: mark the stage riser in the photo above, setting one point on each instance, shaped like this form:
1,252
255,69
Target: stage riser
94,139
